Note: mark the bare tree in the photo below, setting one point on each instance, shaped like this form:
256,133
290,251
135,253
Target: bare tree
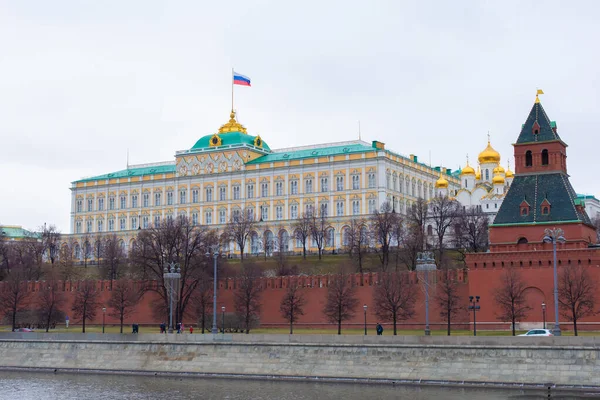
87,250
447,297
173,241
203,301
86,302
50,302
281,244
357,241
577,294
511,299
29,256
50,237
443,212
268,242
414,238
247,298
6,257
341,301
318,230
394,297
66,261
292,304
239,228
471,231
14,298
113,257
383,226
124,297
301,228
98,248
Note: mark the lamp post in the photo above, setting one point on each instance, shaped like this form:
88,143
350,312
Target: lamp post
555,235
544,313
171,275
474,306
215,255
103,316
223,319
426,263
365,308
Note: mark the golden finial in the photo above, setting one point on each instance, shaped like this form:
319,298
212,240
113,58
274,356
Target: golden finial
232,125
537,99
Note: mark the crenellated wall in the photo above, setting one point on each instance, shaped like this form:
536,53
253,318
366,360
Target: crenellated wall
480,280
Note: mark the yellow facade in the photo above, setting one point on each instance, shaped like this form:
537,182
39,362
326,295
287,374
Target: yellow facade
210,182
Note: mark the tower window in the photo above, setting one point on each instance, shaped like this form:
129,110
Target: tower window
524,211
528,159
544,157
545,210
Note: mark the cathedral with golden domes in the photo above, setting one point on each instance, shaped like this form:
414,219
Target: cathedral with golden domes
485,188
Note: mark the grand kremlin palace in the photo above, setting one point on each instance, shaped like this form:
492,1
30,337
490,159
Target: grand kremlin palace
231,170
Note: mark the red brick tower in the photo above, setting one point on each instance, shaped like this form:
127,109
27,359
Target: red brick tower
541,195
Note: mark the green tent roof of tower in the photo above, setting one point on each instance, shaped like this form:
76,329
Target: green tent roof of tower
546,129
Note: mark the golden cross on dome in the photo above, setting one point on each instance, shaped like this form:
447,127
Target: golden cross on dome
488,136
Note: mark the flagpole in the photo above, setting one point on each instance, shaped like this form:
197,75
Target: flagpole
231,89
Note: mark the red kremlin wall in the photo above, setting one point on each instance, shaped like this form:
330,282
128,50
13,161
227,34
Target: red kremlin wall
479,281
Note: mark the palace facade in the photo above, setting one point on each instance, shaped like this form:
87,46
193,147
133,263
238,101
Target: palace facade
230,170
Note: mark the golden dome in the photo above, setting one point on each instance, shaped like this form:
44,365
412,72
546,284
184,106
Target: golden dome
441,183
499,169
232,125
489,155
509,173
478,174
468,170
498,179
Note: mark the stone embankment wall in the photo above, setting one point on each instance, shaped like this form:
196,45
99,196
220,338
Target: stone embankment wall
563,361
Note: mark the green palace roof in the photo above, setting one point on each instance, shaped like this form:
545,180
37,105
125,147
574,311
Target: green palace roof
11,232
229,139
313,152
133,171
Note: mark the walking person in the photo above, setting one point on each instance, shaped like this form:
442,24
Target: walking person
379,329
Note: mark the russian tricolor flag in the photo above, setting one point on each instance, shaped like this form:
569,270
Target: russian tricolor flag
239,79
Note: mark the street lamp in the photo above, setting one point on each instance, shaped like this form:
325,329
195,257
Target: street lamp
544,313
215,255
223,319
426,263
171,275
103,316
554,236
474,306
365,308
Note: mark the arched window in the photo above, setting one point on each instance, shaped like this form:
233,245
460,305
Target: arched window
487,174
522,241
545,210
528,159
466,183
544,157
429,230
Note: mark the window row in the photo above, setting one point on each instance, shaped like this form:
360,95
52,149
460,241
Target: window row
113,224
156,200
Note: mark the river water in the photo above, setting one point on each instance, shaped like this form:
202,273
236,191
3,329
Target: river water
33,385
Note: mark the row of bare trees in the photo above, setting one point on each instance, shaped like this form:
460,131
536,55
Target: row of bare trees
576,296
47,306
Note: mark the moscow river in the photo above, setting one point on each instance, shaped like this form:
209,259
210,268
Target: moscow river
32,385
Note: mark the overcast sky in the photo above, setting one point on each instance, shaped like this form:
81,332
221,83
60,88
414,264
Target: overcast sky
83,81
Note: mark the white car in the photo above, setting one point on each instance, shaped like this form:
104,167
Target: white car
538,332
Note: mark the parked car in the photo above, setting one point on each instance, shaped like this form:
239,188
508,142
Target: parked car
538,332
24,330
